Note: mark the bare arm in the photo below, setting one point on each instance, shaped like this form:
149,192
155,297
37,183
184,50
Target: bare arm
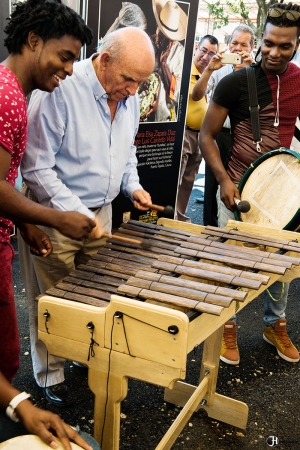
211,126
201,85
18,208
38,421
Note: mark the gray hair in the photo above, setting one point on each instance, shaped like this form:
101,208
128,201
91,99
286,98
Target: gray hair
244,29
111,43
130,15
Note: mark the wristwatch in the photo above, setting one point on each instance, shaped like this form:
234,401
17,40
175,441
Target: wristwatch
11,409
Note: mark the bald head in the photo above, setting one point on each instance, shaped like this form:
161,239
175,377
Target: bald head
129,41
126,59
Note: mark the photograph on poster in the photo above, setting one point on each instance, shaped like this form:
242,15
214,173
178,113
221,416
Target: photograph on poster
74,4
165,22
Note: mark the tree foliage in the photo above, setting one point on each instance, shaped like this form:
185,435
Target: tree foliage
220,14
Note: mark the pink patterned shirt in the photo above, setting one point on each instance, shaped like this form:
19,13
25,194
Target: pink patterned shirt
13,131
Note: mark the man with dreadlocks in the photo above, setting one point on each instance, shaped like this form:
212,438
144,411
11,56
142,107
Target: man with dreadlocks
278,92
43,41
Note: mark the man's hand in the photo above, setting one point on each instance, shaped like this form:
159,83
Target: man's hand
42,423
96,232
141,199
247,60
228,192
38,241
75,225
215,63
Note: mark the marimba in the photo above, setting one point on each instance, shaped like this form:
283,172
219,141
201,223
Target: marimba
138,310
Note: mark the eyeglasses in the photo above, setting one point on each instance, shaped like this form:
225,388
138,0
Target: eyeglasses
290,14
204,52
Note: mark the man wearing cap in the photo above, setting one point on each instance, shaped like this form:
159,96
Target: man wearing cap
169,52
191,154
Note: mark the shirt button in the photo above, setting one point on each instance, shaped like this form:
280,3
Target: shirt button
97,97
107,111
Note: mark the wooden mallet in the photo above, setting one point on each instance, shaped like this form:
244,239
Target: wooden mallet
168,210
242,205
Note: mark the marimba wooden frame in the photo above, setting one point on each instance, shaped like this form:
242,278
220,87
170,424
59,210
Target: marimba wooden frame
125,350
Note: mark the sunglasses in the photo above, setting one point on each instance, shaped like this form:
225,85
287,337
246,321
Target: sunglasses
290,14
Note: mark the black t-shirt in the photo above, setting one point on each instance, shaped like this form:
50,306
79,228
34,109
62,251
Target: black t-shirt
232,93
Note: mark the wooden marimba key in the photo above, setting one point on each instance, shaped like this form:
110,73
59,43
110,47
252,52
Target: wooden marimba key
143,307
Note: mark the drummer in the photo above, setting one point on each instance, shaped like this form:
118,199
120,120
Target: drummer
278,91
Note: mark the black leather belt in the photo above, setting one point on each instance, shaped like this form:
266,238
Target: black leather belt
226,130
191,129
95,209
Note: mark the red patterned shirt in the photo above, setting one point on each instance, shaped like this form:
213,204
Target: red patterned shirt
13,131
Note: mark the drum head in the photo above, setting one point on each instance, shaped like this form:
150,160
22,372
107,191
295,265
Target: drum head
31,442
272,187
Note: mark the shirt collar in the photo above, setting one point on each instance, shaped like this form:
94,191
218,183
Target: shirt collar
98,89
96,86
195,70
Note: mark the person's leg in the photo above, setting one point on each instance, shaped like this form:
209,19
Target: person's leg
9,333
190,162
224,214
40,274
275,302
210,207
275,305
229,350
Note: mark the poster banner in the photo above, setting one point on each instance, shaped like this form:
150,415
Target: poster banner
163,97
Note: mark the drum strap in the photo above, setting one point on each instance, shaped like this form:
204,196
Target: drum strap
297,133
254,107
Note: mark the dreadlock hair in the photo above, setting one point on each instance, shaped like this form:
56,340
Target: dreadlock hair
49,19
283,21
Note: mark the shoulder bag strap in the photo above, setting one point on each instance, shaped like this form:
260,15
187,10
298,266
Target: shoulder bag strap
254,107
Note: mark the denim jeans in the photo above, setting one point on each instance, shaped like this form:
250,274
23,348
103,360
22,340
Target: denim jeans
275,298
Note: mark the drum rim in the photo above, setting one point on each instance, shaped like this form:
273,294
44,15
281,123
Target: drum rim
293,223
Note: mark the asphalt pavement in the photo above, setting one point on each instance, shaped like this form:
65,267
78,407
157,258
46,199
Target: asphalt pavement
269,385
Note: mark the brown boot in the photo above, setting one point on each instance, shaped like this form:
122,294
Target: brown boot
229,350
278,337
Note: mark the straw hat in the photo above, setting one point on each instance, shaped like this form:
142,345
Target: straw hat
170,19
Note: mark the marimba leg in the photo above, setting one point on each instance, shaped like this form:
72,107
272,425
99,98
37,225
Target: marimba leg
218,407
109,391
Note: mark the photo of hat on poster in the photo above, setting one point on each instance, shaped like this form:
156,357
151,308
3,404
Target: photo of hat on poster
165,21
170,18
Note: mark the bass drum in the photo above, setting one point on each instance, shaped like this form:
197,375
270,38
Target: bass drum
272,187
31,442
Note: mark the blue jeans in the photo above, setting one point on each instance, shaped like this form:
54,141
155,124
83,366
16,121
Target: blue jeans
275,302
89,439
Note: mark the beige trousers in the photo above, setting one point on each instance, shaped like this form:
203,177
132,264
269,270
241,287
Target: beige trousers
39,274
